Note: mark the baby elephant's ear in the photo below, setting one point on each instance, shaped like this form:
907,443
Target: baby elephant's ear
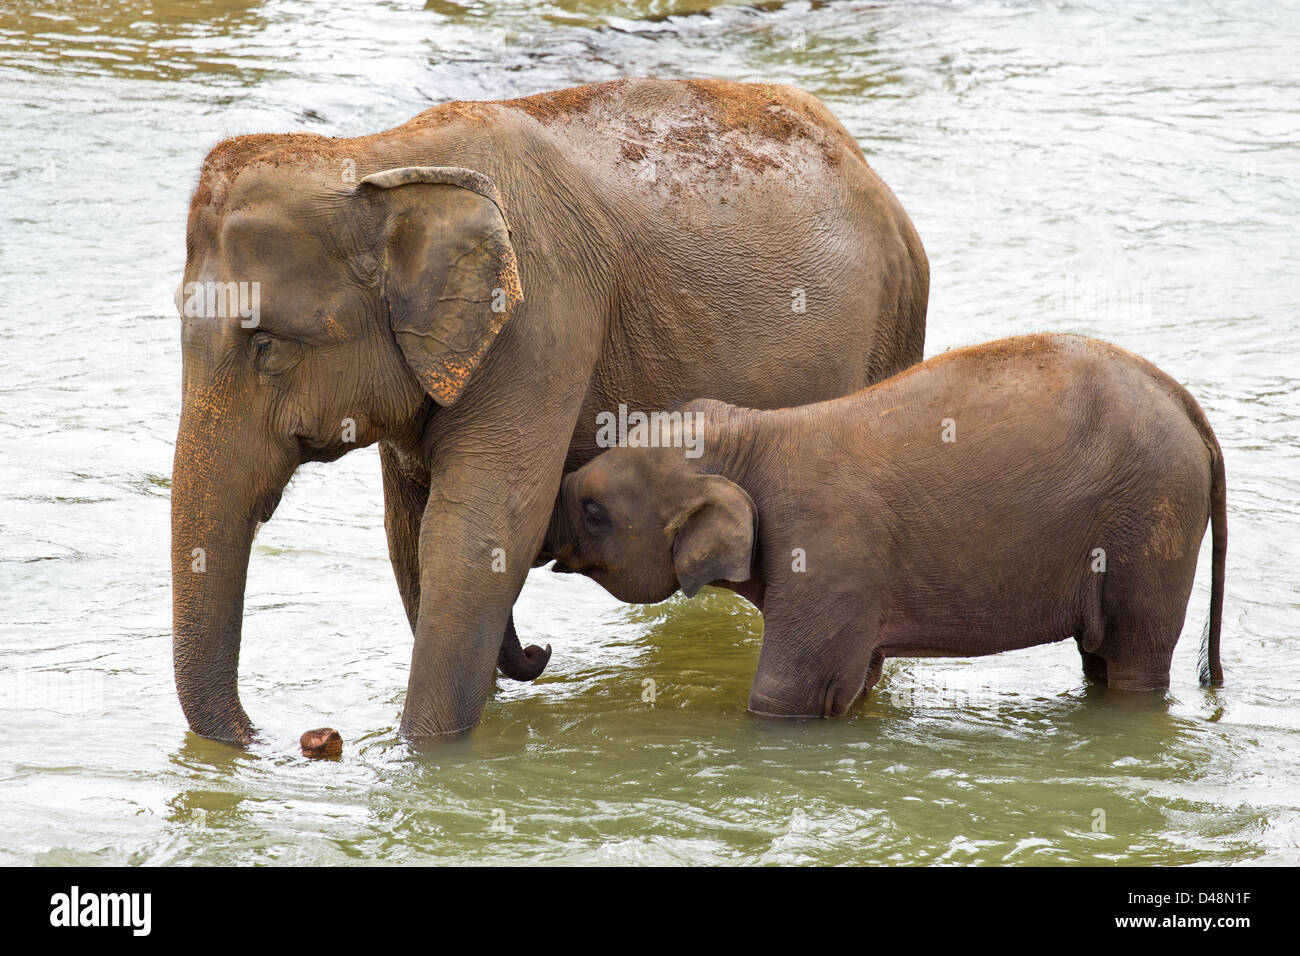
713,538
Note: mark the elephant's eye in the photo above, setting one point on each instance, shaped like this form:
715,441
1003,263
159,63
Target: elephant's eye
261,345
594,516
270,354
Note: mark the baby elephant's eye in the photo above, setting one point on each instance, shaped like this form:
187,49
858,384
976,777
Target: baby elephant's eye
594,516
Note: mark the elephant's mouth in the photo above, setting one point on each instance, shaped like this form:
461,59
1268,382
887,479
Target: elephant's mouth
569,567
563,565
309,450
268,506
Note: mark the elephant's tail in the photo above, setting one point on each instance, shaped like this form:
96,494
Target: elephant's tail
1211,670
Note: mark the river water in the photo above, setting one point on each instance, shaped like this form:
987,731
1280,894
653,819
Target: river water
1128,170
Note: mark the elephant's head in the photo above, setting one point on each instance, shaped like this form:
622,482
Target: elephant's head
318,316
642,522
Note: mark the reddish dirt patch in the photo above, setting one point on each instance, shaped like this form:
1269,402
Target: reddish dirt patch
756,112
561,103
632,152
227,158
767,111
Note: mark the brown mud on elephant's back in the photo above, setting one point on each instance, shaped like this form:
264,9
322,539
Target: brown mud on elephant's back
775,113
764,110
987,357
717,127
562,104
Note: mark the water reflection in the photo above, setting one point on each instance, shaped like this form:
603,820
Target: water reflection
135,39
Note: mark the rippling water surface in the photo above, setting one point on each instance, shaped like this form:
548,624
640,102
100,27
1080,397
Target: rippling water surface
1123,169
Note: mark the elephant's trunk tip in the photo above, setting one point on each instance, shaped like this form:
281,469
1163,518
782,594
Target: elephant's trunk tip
322,743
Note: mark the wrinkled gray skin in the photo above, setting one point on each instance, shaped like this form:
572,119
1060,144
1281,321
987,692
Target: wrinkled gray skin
469,290
913,546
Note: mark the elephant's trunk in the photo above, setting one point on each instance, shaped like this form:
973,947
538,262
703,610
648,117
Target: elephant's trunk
517,662
217,500
558,541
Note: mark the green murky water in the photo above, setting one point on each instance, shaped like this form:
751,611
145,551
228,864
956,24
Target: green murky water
1122,169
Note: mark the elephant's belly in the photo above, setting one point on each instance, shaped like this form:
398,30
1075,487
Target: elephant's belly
991,629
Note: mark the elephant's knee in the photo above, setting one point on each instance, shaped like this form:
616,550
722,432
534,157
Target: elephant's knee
770,699
803,696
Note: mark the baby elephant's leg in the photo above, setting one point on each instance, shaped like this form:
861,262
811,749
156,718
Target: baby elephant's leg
1094,667
1144,606
1139,654
811,667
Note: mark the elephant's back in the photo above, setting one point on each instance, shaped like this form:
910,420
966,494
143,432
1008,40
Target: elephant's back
711,132
764,170
759,259
1098,409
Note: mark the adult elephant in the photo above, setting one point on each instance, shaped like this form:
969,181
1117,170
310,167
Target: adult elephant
469,290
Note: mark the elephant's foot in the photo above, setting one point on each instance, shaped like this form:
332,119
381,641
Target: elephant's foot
521,663
322,743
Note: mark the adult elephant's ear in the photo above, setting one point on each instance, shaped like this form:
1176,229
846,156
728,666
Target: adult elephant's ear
448,272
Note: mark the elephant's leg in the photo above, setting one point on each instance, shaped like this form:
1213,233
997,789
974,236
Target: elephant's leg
814,664
406,494
1139,652
492,488
1094,667
1144,613
874,670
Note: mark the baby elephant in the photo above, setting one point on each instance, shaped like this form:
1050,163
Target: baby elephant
996,497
